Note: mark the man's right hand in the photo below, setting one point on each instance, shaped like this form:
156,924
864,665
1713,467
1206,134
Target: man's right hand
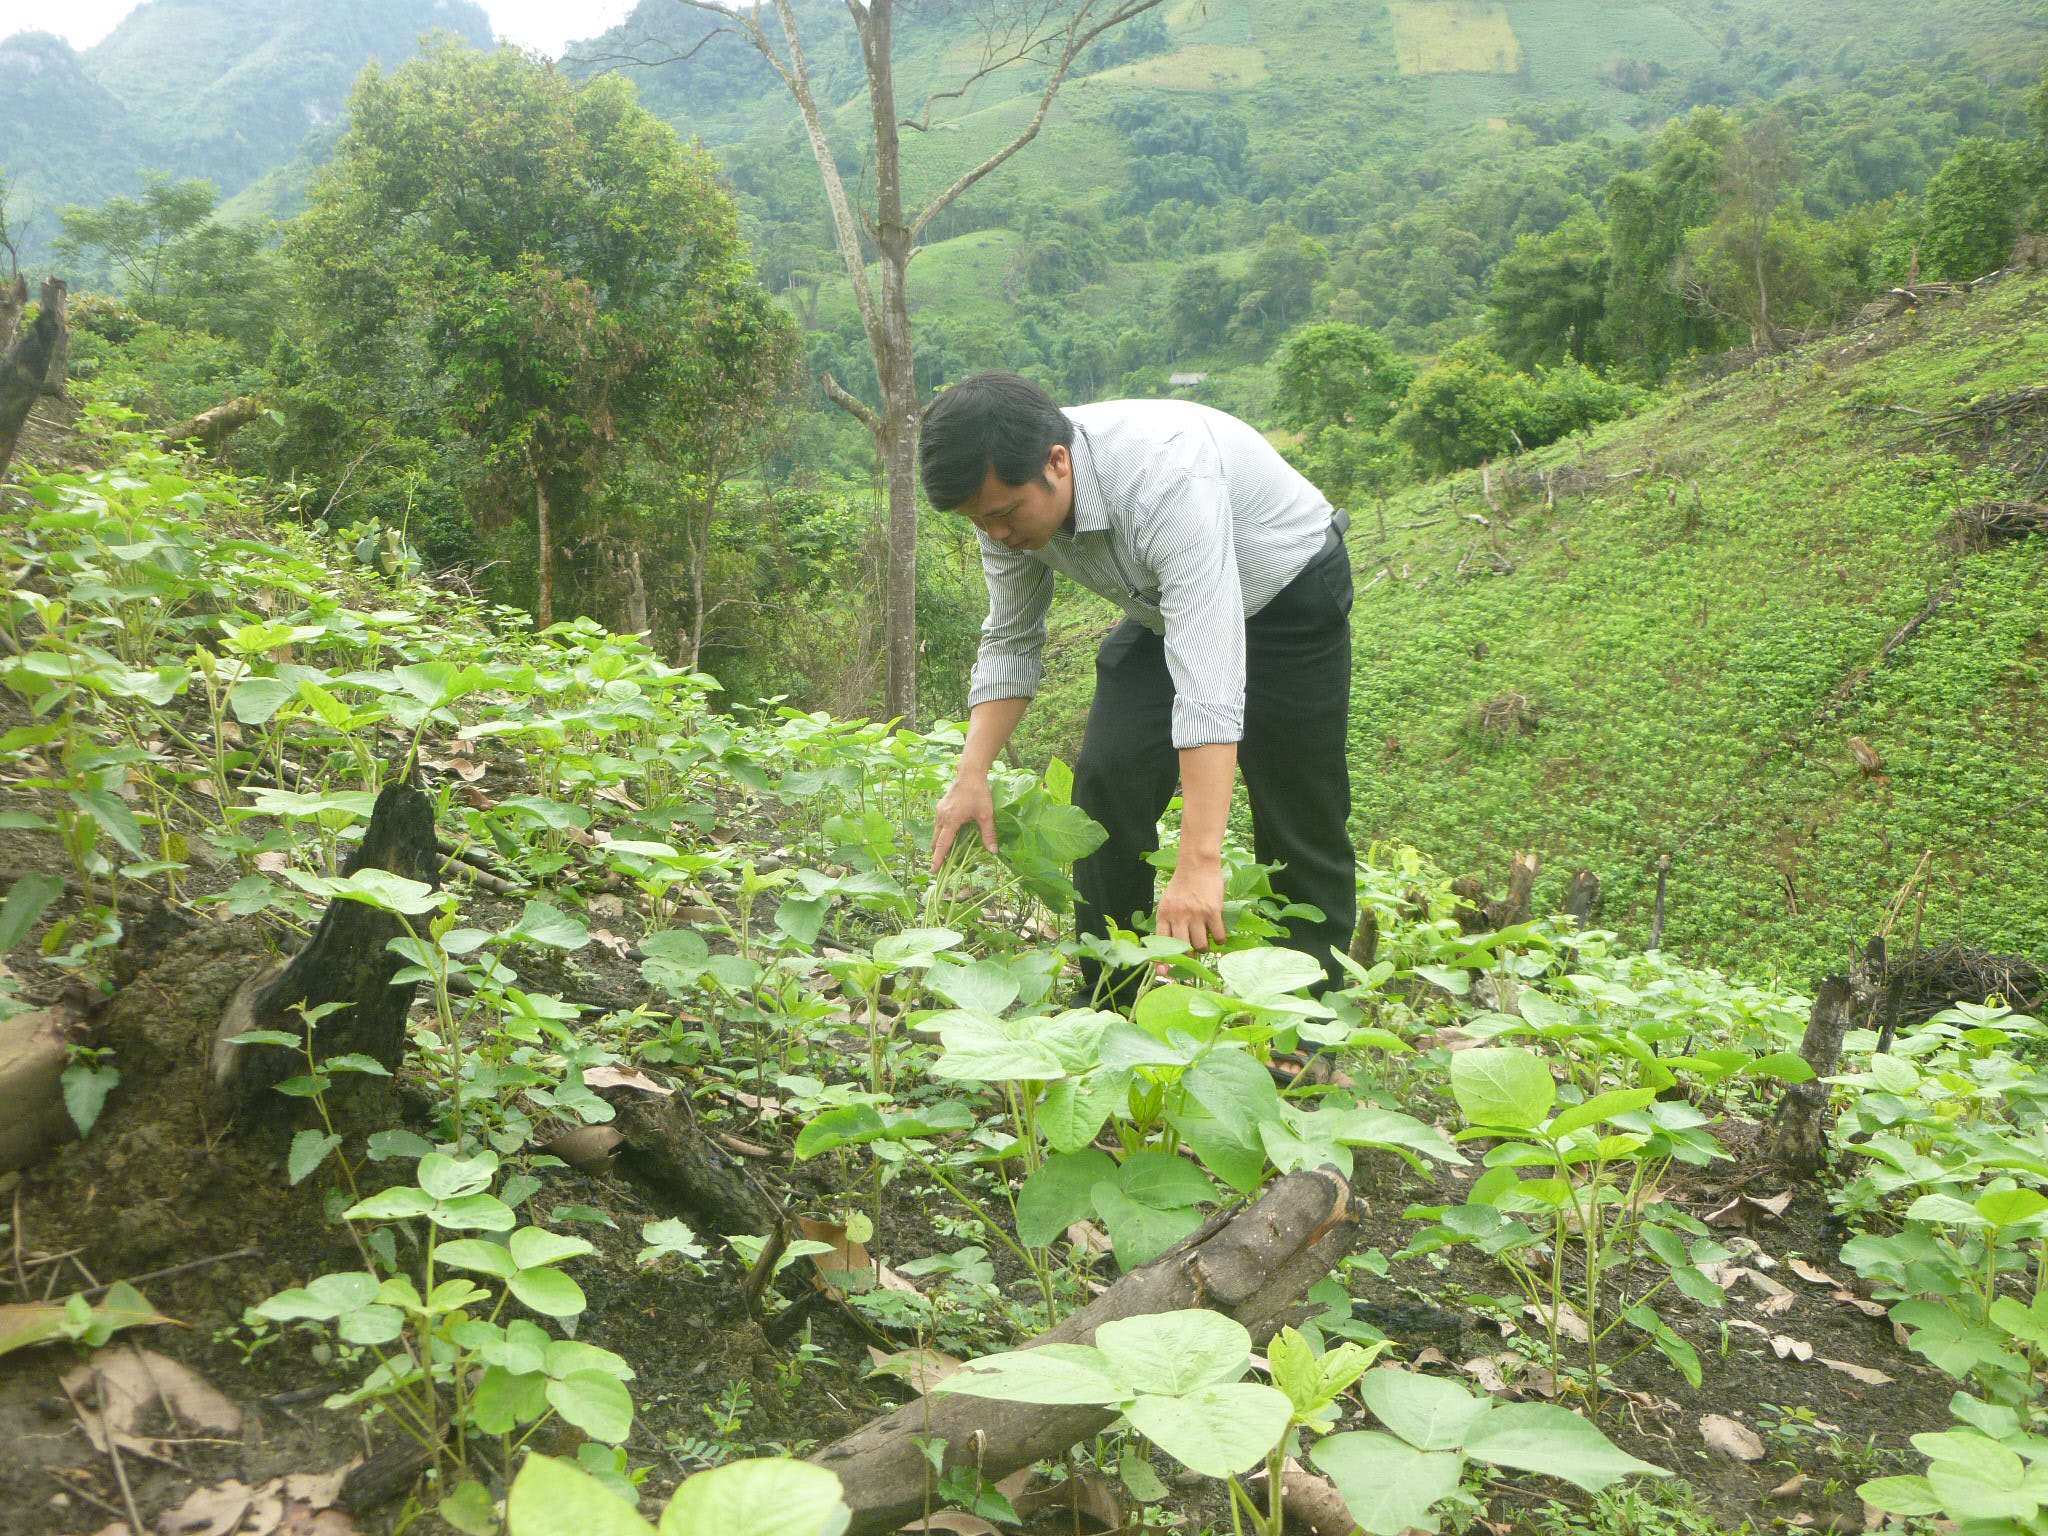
968,801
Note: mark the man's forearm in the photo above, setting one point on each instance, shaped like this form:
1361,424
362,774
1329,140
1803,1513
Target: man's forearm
1207,776
989,725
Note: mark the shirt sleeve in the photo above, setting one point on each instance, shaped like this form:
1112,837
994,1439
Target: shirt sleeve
1188,541
1011,661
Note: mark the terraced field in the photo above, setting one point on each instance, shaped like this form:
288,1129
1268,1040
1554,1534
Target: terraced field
1451,37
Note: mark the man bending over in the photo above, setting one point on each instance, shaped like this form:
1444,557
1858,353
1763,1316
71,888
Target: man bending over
1235,649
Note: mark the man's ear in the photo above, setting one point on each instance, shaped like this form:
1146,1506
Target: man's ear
1059,463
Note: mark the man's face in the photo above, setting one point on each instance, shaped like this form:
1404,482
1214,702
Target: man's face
1025,517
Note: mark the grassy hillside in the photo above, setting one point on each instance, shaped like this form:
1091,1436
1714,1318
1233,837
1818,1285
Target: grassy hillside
1698,640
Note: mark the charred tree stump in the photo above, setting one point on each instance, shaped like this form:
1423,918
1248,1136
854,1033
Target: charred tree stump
213,427
1516,905
1254,1265
1365,944
346,962
27,363
13,301
1470,892
1582,902
1798,1136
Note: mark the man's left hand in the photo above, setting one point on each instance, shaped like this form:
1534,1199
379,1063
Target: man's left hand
1192,908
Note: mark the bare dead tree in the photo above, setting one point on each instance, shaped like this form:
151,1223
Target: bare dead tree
1050,34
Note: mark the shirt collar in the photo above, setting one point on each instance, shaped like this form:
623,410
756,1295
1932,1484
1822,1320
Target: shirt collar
1091,506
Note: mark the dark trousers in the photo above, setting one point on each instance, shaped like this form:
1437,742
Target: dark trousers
1296,709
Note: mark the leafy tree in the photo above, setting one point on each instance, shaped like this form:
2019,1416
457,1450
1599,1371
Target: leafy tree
175,262
1199,304
539,265
1645,319
1280,288
136,238
1460,410
1047,35
1338,375
1549,294
1972,209
1734,267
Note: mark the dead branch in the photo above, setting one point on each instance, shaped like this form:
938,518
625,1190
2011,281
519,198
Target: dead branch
1253,1265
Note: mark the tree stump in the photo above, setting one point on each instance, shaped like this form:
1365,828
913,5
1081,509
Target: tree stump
1515,907
1798,1136
13,301
346,962
1254,1265
1365,944
1582,901
27,364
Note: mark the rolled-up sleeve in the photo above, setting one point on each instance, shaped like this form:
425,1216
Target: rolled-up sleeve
1013,636
1186,538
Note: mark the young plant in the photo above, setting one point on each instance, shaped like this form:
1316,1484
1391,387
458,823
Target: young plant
1400,1477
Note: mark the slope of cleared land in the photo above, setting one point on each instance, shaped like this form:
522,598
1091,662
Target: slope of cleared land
1686,649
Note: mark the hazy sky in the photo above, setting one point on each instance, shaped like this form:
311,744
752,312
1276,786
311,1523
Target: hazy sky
542,24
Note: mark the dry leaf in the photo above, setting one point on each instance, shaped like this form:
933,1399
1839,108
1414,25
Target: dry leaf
1569,1323
1777,1306
623,1077
210,1511
1771,1205
923,1369
1788,1489
1746,1324
1862,1304
1089,1238
957,1521
1862,1373
139,1385
1486,1371
1806,1271
1784,1346
847,1258
1731,1438
1087,1493
1431,1355
606,939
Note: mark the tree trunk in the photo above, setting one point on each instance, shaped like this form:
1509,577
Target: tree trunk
13,300
633,579
544,601
26,364
1798,1136
1516,905
1582,902
1254,1266
345,962
214,427
58,375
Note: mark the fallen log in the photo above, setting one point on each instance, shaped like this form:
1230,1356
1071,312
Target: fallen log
345,962
211,428
1254,1264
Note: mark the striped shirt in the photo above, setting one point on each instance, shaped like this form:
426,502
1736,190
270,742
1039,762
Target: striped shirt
1185,518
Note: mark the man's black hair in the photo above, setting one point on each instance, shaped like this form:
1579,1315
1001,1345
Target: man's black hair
991,421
